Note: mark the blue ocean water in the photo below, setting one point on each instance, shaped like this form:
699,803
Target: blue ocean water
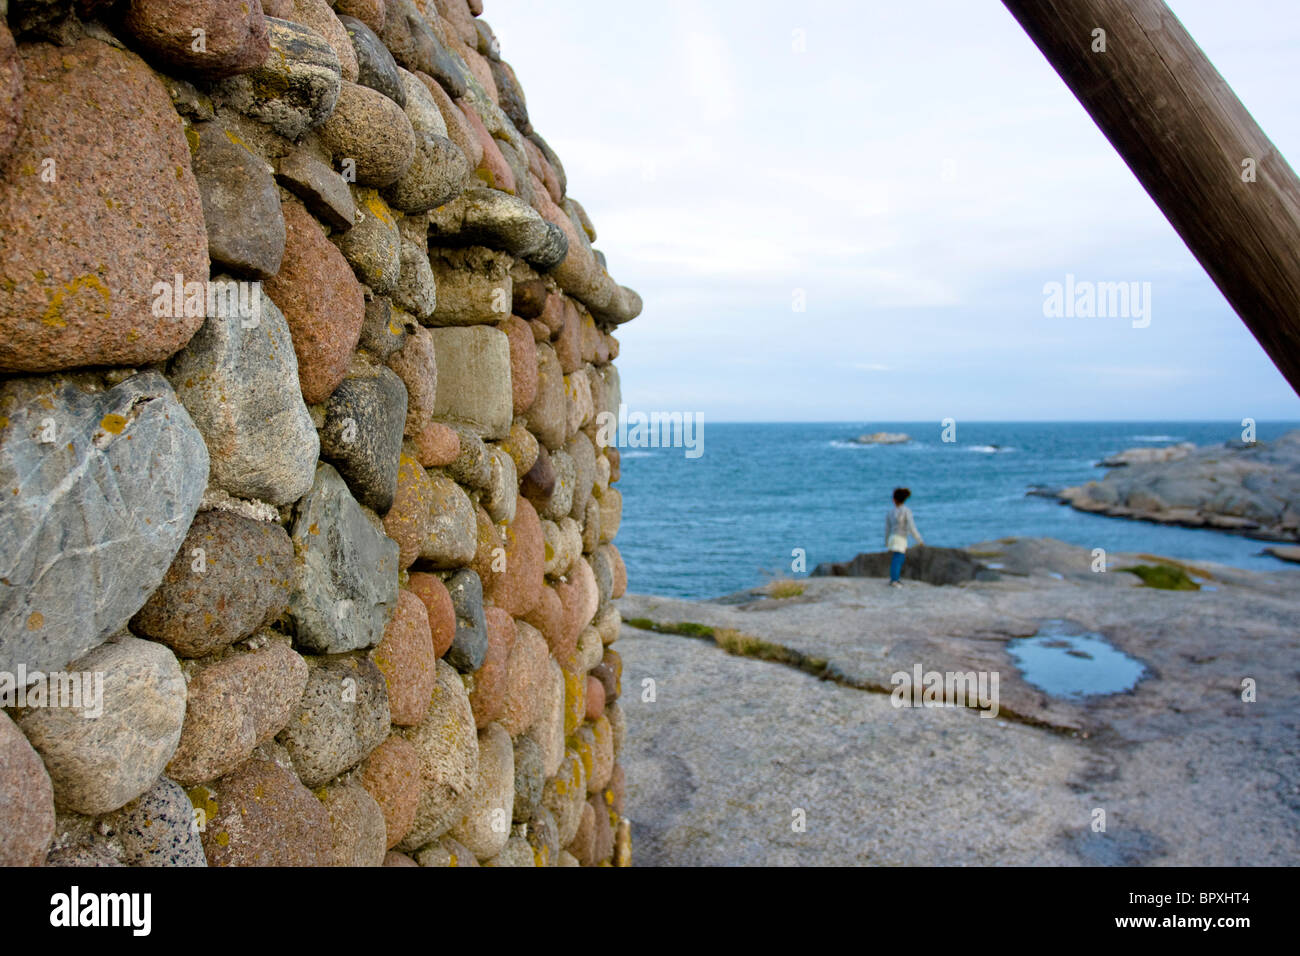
712,525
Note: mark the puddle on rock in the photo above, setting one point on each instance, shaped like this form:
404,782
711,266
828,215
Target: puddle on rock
1065,660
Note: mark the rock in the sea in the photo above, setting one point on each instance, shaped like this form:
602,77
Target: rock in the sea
883,438
293,89
238,379
341,718
373,132
232,35
470,646
447,743
26,800
322,303
234,705
111,749
362,434
231,576
99,211
99,488
346,583
241,206
485,826
474,379
261,815
924,563
157,828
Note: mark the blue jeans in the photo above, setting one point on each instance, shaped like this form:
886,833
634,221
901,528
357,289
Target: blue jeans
896,565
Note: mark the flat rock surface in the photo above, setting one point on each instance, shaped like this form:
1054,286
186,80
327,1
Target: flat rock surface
1186,771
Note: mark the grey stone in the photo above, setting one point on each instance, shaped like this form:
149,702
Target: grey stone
544,837
453,534
372,131
376,67
474,285
502,493
416,290
323,191
373,246
99,763
473,466
362,434
90,519
561,501
546,417
435,176
295,88
238,379
414,45
474,386
447,742
384,330
346,584
510,93
530,778
469,647
241,206
158,828
342,717
489,217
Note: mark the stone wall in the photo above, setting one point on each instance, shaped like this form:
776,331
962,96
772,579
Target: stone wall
303,346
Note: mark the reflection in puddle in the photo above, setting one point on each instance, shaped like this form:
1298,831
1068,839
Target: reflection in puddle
1064,660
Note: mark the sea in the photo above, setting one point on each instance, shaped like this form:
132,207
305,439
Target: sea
739,513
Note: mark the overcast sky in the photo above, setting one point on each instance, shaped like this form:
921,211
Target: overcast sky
918,172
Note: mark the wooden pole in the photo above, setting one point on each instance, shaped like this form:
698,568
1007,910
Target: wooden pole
1191,143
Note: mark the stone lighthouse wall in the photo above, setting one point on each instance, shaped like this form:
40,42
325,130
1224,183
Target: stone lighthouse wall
306,511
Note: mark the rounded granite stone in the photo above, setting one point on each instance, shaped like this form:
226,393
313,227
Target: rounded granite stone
448,744
157,828
487,696
590,648
523,362
565,794
373,131
617,725
580,599
392,774
262,815
527,670
417,366
517,852
26,800
538,483
373,246
437,604
530,778
322,302
485,826
602,754
438,445
231,576
234,705
609,672
615,792
393,858
317,15
518,588
595,698
575,696
446,852
548,617
406,658
79,259
608,624
97,764
544,837
522,446
359,832
548,729
602,837
234,34
583,844
407,521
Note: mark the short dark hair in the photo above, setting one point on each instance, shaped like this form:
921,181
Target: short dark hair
901,495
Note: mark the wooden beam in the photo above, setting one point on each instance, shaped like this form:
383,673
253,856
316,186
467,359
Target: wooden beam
1185,135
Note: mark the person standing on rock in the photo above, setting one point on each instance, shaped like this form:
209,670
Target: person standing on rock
898,525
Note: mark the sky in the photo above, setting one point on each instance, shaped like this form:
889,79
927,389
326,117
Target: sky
912,175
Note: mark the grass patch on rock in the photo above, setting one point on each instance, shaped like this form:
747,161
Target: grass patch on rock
746,645
1166,577
684,629
783,588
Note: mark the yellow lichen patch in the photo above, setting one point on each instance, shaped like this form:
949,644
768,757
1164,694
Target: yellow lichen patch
53,312
379,208
314,528
35,621
223,838
113,423
192,137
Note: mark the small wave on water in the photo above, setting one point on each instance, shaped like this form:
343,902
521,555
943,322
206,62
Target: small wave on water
636,454
1154,438
990,449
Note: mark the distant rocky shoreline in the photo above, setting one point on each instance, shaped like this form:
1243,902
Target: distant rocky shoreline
1249,489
